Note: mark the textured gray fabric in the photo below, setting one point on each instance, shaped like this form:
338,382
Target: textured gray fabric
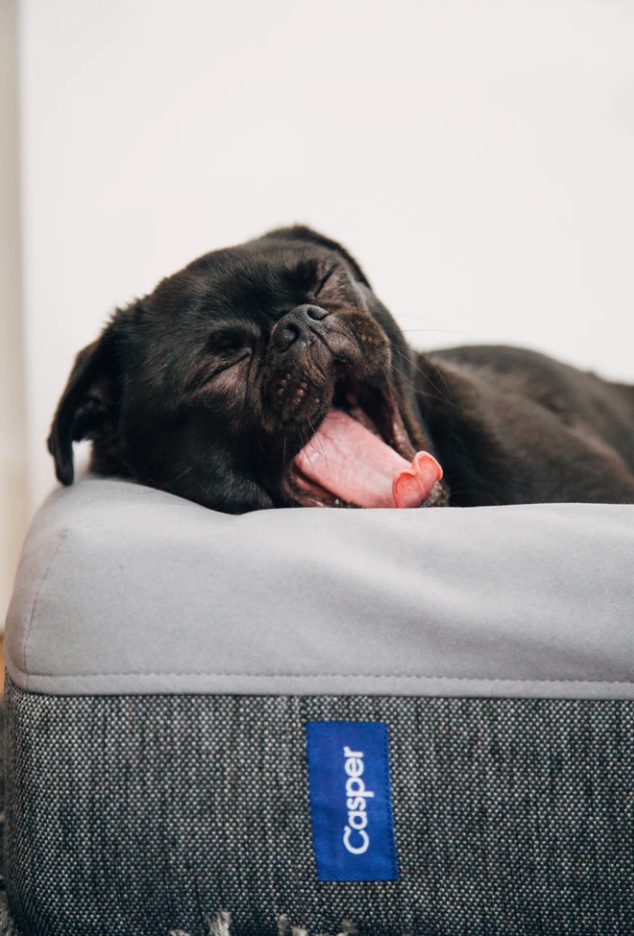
127,589
145,814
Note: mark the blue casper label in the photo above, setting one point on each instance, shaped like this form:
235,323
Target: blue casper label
350,801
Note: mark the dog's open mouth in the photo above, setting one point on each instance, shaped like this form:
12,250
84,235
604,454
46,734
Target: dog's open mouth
361,455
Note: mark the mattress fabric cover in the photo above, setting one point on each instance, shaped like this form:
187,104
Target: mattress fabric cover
149,815
125,589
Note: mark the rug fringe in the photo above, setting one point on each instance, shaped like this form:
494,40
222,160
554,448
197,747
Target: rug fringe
220,925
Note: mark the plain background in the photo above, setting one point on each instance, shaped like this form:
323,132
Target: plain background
477,158
14,509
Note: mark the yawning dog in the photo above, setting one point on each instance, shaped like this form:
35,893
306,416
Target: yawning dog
270,375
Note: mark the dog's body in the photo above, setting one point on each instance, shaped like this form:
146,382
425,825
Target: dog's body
540,430
239,378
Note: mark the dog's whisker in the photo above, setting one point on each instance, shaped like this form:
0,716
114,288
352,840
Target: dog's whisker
403,373
315,435
442,394
438,331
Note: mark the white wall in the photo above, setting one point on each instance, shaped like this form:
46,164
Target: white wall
13,471
476,156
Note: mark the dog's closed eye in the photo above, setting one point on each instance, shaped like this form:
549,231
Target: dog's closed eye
324,280
227,341
224,349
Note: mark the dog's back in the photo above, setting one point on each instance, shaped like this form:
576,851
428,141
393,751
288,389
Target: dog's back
495,412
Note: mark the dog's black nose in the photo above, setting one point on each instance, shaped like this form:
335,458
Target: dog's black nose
298,327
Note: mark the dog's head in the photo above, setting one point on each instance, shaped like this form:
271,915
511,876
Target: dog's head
264,375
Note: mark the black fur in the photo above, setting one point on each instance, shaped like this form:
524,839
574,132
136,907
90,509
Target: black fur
210,385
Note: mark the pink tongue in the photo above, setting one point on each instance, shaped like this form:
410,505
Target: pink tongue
351,462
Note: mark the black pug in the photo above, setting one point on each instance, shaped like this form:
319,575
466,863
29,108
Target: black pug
270,375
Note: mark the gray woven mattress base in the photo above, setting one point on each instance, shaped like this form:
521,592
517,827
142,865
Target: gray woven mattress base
149,814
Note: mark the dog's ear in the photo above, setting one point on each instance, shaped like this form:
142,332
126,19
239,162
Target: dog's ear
300,232
88,403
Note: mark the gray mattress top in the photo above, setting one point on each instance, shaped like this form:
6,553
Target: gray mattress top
124,589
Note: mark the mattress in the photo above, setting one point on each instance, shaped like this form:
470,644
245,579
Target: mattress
406,722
